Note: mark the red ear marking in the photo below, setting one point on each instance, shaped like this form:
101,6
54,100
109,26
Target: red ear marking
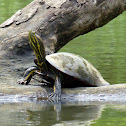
36,61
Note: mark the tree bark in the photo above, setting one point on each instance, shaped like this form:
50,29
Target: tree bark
57,22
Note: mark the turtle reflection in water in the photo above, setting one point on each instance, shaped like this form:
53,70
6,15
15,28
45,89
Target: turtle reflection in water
61,67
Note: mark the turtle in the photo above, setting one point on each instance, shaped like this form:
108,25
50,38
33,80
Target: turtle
61,67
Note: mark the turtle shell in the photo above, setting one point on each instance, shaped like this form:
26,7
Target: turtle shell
77,67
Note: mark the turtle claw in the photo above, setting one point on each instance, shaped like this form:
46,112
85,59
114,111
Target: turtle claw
22,82
54,97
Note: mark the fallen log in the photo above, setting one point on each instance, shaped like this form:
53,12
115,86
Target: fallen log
57,22
112,94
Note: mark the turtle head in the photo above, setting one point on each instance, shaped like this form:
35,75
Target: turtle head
36,44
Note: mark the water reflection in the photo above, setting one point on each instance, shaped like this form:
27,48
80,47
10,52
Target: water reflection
44,114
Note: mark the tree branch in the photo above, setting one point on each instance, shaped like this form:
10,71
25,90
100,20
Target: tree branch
57,22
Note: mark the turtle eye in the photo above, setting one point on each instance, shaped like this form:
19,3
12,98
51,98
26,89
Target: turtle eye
36,61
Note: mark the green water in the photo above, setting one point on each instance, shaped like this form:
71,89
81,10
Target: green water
105,49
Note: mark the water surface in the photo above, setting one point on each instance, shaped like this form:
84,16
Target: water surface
105,48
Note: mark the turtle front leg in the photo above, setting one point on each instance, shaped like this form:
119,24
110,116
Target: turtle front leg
28,75
56,96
